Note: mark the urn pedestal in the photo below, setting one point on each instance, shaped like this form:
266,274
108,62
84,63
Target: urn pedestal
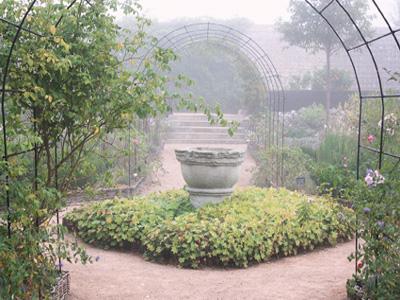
210,173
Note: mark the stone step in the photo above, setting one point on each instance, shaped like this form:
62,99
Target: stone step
209,129
195,123
204,135
201,117
194,128
205,141
189,123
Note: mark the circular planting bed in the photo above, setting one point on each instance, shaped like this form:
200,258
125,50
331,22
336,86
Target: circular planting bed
253,225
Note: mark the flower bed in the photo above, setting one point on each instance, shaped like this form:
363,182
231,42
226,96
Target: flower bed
251,226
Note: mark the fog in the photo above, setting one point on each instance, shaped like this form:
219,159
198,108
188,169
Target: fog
259,12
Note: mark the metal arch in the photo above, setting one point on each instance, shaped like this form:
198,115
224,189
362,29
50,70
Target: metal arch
226,32
169,40
269,86
181,38
382,94
391,31
176,37
264,77
266,85
268,77
367,44
253,57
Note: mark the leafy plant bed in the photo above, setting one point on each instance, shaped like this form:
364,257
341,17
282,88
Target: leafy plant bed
253,225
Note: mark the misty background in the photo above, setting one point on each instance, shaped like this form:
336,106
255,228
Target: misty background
222,75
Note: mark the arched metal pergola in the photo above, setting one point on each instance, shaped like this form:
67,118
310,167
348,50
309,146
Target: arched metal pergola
355,49
273,107
182,37
185,36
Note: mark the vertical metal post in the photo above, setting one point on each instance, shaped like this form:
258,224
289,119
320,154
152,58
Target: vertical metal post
56,186
129,157
36,159
135,151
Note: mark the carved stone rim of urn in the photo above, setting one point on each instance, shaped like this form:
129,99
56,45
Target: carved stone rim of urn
210,172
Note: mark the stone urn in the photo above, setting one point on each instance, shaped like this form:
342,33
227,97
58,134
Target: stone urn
210,173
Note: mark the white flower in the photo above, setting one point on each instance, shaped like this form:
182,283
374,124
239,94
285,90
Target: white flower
391,123
369,180
373,178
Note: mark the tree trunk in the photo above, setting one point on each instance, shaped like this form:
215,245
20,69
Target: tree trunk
328,86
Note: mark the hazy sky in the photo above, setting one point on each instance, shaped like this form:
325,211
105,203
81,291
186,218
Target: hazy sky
258,11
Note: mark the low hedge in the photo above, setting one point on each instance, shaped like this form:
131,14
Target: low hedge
252,225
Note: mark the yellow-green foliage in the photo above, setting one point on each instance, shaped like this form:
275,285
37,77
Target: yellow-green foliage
252,225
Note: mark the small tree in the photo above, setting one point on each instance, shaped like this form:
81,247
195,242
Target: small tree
317,80
309,31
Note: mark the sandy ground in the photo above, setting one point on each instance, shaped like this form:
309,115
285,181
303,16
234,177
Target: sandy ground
321,274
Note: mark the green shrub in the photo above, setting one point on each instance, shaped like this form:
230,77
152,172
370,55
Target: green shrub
334,170
115,223
306,122
333,180
339,150
295,164
252,225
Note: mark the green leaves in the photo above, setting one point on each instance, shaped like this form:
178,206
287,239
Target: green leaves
253,225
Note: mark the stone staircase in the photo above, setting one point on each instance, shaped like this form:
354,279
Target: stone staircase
194,128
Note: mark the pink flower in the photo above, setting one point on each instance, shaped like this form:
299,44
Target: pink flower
371,138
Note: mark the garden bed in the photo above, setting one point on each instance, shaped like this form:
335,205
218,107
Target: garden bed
251,226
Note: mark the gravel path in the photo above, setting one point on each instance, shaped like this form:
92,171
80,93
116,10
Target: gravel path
321,274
